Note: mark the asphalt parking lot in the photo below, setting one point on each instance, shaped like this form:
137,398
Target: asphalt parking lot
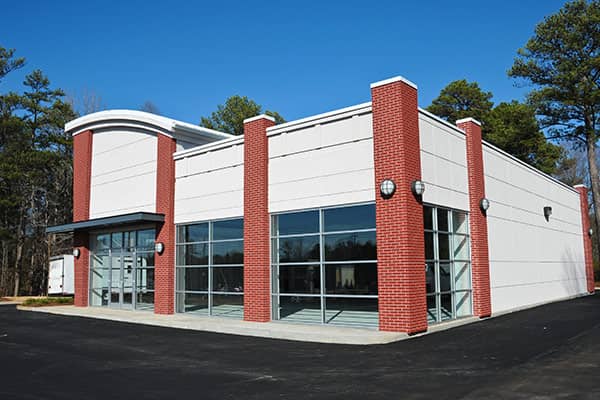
545,353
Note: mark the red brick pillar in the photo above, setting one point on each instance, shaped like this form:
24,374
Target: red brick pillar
587,239
82,176
257,292
399,218
164,272
480,261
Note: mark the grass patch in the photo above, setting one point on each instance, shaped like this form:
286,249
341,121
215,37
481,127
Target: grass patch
48,301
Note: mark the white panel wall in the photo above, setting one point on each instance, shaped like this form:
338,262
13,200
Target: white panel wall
443,164
531,260
322,165
123,173
210,185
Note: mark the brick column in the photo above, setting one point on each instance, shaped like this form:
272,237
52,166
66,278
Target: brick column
164,272
82,175
587,240
480,262
400,238
257,288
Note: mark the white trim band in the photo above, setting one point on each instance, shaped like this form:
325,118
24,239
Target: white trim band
469,119
261,116
392,80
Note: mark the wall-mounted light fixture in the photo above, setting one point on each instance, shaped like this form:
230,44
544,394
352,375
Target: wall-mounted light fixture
547,212
590,232
484,204
159,247
417,187
387,188
76,252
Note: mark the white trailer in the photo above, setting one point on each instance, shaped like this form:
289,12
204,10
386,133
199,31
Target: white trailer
61,278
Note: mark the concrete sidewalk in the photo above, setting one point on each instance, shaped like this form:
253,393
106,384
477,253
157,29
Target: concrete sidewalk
273,330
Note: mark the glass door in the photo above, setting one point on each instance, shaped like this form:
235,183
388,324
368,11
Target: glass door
116,281
122,280
128,274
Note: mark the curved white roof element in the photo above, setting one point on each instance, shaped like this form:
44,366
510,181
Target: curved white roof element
146,121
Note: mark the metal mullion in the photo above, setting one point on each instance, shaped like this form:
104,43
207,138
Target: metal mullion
299,263
436,256
452,250
210,272
321,268
349,231
298,235
351,262
300,295
352,296
134,269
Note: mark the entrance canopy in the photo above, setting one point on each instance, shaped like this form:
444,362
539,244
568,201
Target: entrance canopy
108,222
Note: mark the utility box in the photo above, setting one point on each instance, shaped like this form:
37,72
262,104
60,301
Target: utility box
61,278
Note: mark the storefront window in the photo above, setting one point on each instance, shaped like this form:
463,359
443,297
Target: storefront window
447,266
210,268
324,266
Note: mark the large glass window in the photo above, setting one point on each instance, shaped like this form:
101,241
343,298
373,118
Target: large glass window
122,269
448,266
210,268
324,266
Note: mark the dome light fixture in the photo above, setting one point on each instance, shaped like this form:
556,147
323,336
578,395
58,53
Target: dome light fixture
159,247
417,187
387,188
76,252
590,232
484,204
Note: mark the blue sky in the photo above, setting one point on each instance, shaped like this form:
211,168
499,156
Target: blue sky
297,58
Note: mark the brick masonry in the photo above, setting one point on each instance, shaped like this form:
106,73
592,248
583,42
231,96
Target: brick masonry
164,272
257,292
82,175
480,262
399,219
587,240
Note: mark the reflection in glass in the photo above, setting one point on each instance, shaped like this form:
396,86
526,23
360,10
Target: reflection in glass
192,254
349,218
192,233
445,277
299,249
299,279
228,279
442,220
350,246
430,277
429,252
228,229
446,306
351,311
228,252
459,222
300,309
431,309
428,217
351,279
192,279
443,246
297,223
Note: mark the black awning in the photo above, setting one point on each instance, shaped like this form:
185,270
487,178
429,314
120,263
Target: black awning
107,222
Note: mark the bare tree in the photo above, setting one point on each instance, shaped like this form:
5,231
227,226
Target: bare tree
150,107
86,101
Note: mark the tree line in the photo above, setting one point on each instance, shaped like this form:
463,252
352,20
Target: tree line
555,130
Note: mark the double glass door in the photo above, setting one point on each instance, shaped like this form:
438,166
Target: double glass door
122,280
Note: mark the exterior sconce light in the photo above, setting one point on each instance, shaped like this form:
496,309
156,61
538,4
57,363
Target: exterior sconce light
484,204
387,188
547,212
590,232
159,247
417,187
76,252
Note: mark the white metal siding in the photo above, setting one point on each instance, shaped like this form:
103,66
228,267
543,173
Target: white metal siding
210,185
123,173
531,260
322,165
443,164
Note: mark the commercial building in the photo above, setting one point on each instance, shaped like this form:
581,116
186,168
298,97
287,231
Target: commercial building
379,214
